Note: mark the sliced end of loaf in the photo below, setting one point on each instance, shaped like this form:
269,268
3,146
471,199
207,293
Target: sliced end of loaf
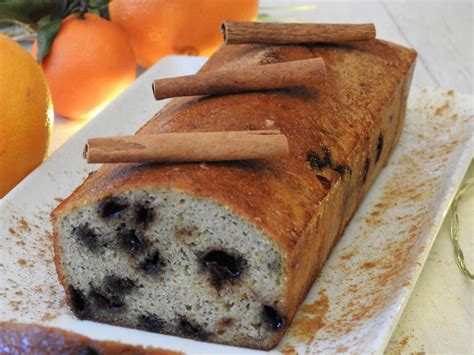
166,261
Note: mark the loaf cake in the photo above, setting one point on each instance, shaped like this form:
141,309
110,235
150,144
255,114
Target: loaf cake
19,339
225,252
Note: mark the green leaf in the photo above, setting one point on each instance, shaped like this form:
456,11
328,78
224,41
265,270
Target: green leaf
43,21
46,36
69,8
104,12
6,22
26,11
264,17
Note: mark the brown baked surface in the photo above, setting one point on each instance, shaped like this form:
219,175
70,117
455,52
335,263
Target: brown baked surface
18,338
340,135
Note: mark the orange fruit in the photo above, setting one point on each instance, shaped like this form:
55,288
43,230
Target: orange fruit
91,61
26,114
161,27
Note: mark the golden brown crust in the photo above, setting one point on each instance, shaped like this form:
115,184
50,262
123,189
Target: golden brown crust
17,338
360,106
57,251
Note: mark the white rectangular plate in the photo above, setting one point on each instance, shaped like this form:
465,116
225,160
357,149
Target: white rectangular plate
357,300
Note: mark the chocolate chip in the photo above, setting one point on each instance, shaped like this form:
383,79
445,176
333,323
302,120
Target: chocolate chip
324,181
191,330
342,169
112,208
86,236
144,215
152,264
223,266
272,318
327,154
151,322
78,302
114,304
87,350
365,171
130,241
317,162
379,148
117,286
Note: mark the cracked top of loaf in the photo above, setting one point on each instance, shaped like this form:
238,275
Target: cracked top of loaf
323,125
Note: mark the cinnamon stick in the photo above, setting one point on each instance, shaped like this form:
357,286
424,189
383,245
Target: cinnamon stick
243,79
237,32
187,147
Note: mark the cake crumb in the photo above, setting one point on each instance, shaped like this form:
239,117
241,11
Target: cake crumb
22,262
368,265
441,110
15,304
289,350
347,256
48,317
23,225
